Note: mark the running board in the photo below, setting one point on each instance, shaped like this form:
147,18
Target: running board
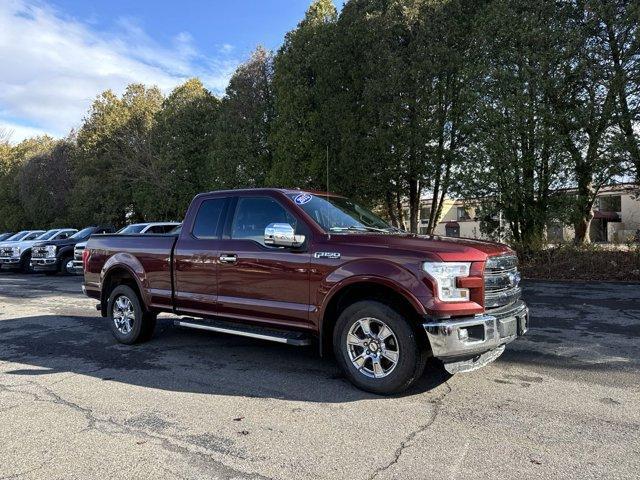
261,333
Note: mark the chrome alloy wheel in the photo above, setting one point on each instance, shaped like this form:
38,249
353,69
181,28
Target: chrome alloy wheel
373,347
123,314
68,267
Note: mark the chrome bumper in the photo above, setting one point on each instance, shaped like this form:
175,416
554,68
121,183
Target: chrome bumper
467,337
43,261
9,260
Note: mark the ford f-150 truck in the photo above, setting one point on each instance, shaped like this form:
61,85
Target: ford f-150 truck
296,267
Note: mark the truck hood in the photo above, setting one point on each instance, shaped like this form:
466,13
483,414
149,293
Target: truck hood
24,245
63,242
446,249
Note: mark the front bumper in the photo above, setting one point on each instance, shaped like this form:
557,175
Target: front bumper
10,262
44,264
468,338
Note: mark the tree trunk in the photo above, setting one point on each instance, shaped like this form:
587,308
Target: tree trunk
390,209
414,204
584,201
401,223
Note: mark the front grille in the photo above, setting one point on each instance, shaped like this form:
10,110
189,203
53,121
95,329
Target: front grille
77,256
501,282
38,252
6,252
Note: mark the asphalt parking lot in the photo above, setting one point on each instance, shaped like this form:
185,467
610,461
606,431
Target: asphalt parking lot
563,402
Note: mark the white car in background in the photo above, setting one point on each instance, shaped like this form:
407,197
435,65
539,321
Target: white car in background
16,255
154,228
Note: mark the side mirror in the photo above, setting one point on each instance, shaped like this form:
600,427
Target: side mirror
282,235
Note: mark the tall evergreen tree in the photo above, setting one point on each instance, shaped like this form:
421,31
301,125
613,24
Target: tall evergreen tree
301,132
243,156
113,149
177,166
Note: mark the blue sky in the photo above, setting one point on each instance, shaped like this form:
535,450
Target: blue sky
59,54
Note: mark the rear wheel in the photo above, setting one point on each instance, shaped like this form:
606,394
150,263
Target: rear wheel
128,321
377,348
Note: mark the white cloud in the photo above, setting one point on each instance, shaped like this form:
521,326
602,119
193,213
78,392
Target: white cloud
17,132
53,67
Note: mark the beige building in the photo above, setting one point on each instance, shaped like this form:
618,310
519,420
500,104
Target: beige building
616,217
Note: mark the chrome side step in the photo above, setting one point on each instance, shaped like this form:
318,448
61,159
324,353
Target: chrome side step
272,335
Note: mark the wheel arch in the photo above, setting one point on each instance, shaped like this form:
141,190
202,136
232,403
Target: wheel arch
120,274
367,288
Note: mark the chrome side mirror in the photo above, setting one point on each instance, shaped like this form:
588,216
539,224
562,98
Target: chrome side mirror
282,235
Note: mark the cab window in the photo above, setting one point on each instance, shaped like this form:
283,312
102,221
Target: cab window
252,216
207,222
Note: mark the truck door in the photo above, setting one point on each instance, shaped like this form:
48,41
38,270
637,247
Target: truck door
260,283
196,258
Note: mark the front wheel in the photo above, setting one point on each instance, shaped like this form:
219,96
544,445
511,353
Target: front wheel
377,348
25,264
128,321
66,266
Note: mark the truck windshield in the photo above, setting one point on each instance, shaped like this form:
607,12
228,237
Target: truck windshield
18,236
47,235
85,232
131,229
339,214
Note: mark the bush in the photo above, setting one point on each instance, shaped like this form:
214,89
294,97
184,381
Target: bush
590,262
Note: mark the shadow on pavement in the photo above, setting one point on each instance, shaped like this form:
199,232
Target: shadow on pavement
182,360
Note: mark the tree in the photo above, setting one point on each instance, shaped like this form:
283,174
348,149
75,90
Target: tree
516,157
301,129
12,160
584,102
243,154
44,186
619,37
113,148
177,164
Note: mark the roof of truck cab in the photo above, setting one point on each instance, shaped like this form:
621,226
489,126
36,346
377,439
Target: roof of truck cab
286,191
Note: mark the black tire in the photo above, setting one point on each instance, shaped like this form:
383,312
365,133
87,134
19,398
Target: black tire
25,263
63,266
143,323
412,356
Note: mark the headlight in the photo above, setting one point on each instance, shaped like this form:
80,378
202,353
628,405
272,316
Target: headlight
15,251
51,250
446,274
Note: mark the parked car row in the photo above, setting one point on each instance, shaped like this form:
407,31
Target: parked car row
53,251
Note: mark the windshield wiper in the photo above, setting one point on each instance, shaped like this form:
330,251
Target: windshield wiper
358,228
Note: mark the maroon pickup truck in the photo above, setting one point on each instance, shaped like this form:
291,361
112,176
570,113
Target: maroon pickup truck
301,267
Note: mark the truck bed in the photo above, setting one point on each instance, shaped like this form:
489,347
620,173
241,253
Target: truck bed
148,257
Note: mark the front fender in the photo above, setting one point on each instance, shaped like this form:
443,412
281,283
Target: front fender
378,271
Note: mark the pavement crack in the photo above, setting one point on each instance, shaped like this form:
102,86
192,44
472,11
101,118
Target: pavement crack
409,439
110,427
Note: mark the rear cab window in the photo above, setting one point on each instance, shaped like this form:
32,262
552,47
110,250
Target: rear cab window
208,224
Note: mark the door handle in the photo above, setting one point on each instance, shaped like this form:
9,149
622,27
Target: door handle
228,258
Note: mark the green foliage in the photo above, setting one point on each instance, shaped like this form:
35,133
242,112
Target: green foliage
301,131
242,154
502,101
177,166
113,152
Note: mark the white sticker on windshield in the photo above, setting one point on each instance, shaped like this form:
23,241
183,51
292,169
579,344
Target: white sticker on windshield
303,198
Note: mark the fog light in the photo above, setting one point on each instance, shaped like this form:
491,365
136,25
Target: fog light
463,334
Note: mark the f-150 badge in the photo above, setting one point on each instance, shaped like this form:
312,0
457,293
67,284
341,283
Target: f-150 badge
331,255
